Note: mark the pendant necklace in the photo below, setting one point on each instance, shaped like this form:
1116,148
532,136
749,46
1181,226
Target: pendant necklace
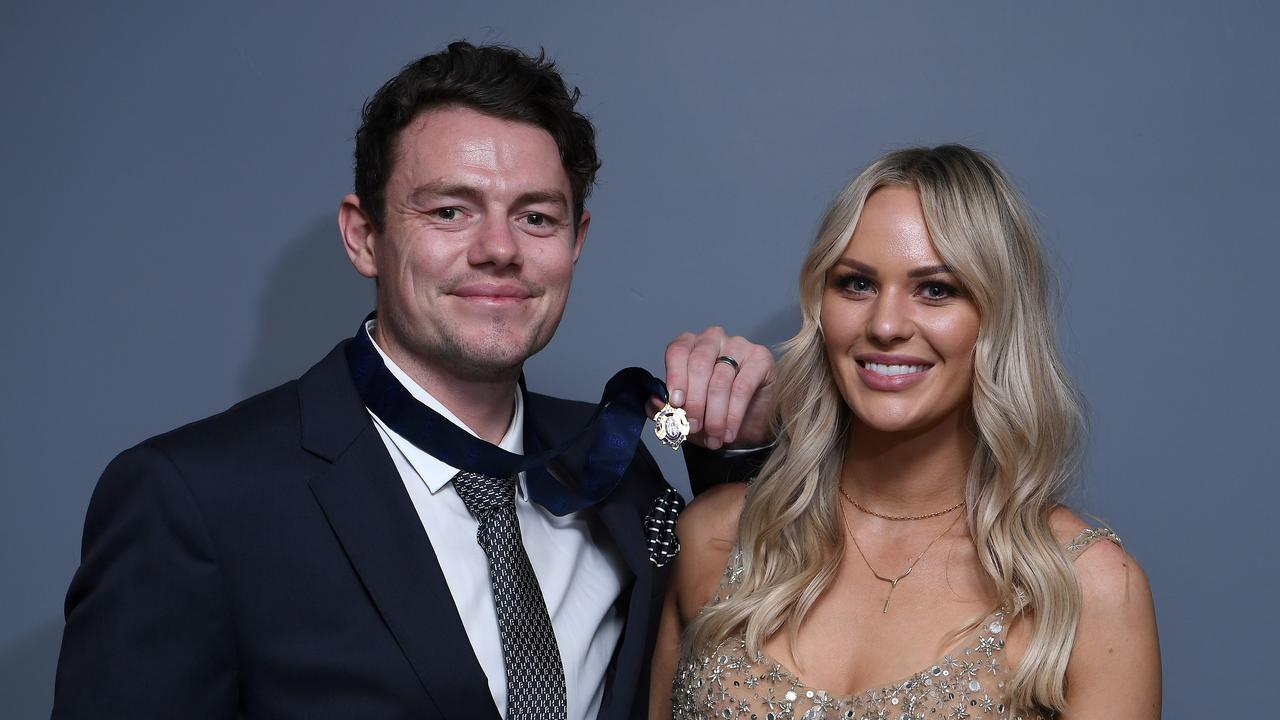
893,582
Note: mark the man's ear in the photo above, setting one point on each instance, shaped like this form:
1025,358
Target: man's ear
358,235
580,237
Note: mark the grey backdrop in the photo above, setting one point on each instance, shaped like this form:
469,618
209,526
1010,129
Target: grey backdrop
171,173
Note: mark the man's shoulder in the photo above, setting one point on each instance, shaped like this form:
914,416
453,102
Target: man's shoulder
560,407
272,422
222,462
571,415
270,413
267,422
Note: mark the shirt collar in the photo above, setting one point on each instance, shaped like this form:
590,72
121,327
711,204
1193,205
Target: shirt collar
436,474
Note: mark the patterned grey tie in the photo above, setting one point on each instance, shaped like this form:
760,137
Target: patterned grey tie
535,674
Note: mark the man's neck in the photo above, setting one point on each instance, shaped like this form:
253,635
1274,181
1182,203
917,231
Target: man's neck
485,406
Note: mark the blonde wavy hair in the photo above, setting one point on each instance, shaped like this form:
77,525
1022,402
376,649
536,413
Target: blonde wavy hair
1026,412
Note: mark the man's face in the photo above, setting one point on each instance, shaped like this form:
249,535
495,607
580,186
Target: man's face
478,247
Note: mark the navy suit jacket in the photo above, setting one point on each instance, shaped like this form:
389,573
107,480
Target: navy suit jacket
267,562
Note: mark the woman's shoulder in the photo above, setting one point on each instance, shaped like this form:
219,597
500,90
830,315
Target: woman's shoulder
713,515
1093,547
1116,650
1111,580
708,533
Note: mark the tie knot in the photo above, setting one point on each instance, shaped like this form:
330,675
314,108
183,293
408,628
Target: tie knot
483,494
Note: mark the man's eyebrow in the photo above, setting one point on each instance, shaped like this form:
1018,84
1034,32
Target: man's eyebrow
930,270
534,197
431,190
425,191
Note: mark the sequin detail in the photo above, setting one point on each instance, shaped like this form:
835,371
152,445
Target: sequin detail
731,684
1089,536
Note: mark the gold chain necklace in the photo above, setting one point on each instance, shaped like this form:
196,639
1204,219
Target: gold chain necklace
896,517
893,583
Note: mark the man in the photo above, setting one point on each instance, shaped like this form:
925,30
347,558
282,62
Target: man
335,547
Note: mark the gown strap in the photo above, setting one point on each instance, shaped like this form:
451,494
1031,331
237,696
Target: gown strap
730,579
1088,537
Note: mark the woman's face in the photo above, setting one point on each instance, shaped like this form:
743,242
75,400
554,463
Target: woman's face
899,330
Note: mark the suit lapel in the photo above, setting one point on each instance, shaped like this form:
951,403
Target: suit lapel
620,514
365,502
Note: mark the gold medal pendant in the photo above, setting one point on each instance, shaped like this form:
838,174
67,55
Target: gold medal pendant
671,425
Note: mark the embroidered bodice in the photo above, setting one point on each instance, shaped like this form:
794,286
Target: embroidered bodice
732,684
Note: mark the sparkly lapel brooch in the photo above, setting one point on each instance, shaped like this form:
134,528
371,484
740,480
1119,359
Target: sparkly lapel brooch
660,527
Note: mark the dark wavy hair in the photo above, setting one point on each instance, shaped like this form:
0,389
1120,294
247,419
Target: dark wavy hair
492,79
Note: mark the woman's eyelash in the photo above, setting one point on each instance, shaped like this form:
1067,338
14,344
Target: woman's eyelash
852,282
948,290
931,290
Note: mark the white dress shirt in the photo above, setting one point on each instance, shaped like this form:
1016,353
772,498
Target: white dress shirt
579,570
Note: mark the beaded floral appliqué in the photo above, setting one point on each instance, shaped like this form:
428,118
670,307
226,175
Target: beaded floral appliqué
731,684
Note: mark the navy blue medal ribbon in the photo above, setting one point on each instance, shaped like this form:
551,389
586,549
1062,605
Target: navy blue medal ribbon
615,425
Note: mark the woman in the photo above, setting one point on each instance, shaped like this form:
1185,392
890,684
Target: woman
904,552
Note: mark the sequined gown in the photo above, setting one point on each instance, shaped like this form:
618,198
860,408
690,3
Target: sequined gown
730,684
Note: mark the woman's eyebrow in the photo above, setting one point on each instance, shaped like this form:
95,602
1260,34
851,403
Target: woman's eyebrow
930,270
860,267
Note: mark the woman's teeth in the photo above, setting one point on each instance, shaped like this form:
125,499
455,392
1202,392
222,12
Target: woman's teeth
891,370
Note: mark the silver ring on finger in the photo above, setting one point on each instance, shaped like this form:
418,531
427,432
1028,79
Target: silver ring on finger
727,360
